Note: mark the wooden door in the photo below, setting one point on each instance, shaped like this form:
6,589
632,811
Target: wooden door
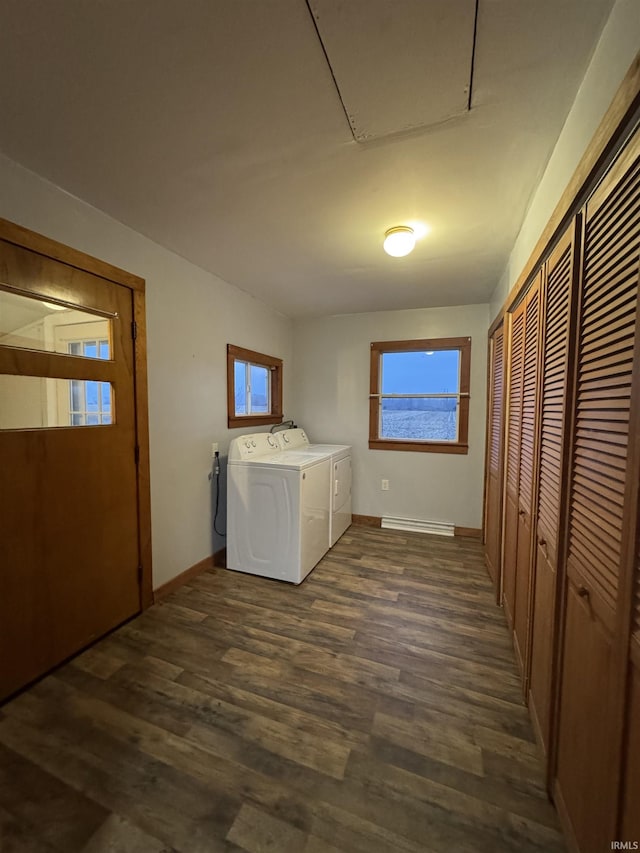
495,445
512,480
601,512
630,817
553,473
68,492
528,465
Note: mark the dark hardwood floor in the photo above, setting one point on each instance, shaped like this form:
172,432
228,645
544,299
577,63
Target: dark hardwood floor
374,709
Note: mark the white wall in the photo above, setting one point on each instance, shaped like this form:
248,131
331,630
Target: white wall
612,57
191,317
331,397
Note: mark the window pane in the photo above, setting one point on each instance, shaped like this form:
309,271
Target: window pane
105,389
32,402
420,419
240,380
77,395
259,389
420,372
34,323
92,396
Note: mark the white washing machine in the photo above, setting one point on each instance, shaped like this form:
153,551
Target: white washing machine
278,508
340,455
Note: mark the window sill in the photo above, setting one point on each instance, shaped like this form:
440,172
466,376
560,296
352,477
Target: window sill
419,446
252,420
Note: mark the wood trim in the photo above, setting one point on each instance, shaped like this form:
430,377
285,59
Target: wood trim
419,446
367,520
420,344
20,236
601,148
184,577
565,820
471,532
378,348
535,724
275,416
634,651
142,440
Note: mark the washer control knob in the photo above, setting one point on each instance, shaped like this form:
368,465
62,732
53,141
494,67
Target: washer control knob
253,444
247,444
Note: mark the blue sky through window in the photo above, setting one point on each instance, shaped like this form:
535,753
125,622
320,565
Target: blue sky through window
419,373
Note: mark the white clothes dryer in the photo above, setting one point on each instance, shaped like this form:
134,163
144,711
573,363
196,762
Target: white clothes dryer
341,474
278,508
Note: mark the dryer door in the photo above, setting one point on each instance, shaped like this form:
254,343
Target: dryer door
314,511
341,498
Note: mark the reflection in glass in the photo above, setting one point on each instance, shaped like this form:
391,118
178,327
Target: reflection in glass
32,323
259,389
32,402
240,387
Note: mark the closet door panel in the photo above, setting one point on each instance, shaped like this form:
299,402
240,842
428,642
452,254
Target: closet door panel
528,457
585,768
554,390
495,444
630,826
542,645
514,424
630,822
588,761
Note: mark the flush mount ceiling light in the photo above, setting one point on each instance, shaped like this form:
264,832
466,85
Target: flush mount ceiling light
55,307
399,241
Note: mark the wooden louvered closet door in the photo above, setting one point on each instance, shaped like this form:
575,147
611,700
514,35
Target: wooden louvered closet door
630,818
600,510
528,455
554,391
514,425
493,517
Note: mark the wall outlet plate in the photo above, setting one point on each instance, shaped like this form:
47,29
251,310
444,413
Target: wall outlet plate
384,485
214,449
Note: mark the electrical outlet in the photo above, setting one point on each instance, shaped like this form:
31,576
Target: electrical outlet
385,485
214,449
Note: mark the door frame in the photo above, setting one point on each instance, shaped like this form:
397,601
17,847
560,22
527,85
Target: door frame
38,243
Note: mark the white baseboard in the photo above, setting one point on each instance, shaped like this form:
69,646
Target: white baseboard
418,525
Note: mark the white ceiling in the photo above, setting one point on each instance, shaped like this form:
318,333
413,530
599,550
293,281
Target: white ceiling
216,129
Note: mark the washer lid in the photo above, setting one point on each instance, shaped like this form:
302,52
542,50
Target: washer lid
329,449
293,460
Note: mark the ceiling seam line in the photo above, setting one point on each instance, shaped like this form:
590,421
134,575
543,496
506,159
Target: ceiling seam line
333,76
473,55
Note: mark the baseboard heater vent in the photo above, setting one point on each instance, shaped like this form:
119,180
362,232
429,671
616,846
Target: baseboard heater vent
418,525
